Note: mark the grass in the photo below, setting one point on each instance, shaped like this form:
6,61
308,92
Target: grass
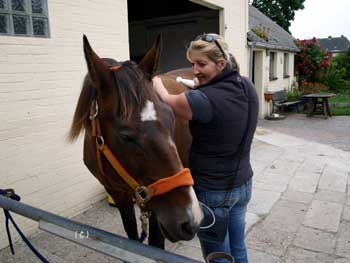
341,111
341,98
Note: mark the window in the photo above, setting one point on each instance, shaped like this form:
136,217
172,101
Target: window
273,65
24,18
286,65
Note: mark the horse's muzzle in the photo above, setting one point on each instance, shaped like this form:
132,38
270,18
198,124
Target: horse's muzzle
184,231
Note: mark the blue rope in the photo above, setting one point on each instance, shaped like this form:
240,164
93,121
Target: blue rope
143,236
11,194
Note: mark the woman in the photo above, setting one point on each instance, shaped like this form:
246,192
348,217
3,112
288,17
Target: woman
222,113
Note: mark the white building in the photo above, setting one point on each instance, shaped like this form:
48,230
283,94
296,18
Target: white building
272,57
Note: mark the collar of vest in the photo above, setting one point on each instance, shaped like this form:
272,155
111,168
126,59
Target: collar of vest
226,73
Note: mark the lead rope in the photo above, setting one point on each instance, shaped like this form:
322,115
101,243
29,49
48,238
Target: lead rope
220,255
10,193
144,217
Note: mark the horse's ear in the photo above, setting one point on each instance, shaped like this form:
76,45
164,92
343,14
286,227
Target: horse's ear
98,69
150,62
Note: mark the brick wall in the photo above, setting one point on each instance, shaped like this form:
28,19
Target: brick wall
234,27
40,81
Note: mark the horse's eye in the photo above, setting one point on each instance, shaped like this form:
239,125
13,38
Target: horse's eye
127,138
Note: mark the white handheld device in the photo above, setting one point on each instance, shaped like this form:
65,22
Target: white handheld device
187,82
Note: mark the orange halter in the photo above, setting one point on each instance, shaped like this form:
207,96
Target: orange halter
142,193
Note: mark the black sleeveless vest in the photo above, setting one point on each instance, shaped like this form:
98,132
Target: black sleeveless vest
220,152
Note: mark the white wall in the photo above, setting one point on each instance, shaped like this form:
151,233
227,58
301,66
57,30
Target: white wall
262,77
281,82
233,26
40,80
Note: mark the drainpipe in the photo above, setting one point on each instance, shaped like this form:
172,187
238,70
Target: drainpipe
251,45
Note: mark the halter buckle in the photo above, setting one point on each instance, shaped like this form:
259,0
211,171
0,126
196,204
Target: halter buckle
143,194
100,142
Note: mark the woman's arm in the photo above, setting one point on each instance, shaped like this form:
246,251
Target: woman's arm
178,102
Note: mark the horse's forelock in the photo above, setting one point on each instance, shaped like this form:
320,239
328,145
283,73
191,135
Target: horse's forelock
131,93
132,90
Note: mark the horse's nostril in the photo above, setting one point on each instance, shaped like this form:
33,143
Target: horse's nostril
189,228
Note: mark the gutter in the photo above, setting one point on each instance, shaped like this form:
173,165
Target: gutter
251,45
266,45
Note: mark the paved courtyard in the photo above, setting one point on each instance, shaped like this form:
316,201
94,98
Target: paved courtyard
300,208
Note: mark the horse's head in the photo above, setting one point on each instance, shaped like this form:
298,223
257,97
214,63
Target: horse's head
138,129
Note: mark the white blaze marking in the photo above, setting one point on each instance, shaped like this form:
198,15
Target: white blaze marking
196,210
149,113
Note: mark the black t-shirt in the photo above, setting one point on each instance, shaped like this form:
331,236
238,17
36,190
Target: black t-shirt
200,105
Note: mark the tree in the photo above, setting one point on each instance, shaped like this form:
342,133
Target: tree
280,11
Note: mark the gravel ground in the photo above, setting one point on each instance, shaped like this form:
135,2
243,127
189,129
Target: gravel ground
334,131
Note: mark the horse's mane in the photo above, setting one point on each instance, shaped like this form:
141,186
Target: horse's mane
131,91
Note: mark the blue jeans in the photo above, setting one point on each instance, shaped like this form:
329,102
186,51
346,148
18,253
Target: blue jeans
230,208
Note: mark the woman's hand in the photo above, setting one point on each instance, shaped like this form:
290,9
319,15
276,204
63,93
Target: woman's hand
196,82
178,102
159,87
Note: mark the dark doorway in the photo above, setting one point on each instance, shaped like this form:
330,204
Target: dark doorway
178,21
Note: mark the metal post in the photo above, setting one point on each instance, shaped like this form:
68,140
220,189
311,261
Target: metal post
102,241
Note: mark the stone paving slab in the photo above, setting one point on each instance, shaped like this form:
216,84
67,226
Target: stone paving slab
299,255
330,196
324,215
283,167
343,242
346,213
285,216
272,242
258,207
271,182
316,240
261,257
334,179
304,182
296,196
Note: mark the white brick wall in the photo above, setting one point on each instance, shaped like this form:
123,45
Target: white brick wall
234,27
40,81
281,82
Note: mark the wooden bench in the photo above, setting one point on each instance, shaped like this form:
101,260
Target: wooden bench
280,101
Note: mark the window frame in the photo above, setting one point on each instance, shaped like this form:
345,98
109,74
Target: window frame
286,65
273,66
9,12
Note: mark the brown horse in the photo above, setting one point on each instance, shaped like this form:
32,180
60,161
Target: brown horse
121,114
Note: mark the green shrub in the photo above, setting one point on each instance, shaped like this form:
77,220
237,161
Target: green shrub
335,79
294,94
312,87
343,61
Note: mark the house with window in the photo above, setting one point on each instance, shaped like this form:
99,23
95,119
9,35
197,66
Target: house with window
42,68
335,45
272,51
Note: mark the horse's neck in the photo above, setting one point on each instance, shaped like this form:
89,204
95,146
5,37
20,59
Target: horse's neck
169,80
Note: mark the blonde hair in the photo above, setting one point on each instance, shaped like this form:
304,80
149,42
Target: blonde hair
212,51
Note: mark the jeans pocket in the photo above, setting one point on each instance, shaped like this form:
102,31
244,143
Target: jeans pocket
216,198
249,186
217,231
